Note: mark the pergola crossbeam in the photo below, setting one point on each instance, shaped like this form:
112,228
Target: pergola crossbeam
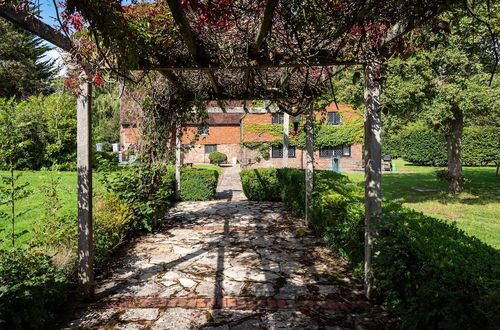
35,26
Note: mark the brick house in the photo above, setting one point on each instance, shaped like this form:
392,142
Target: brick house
228,132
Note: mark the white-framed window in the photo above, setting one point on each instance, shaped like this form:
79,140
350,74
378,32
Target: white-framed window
277,119
203,130
277,152
334,118
209,148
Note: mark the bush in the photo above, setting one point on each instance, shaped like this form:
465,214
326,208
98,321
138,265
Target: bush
198,184
481,146
261,184
434,275
148,189
31,289
217,157
429,272
423,146
112,222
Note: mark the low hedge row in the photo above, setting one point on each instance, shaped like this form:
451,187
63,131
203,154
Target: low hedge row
428,271
198,184
422,145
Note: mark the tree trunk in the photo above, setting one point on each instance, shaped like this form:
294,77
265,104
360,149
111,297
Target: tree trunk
454,141
373,162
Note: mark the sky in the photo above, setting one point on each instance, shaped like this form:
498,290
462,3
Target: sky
48,15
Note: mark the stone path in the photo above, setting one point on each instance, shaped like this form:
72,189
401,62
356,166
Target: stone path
229,186
229,265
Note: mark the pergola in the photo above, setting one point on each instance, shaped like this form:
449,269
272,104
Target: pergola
242,50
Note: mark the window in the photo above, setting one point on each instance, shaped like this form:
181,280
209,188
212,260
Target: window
334,118
209,148
278,118
203,130
277,152
340,151
346,151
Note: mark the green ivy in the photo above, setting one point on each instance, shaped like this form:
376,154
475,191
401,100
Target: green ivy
348,133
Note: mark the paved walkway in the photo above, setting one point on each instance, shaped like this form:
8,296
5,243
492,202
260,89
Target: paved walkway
229,186
229,265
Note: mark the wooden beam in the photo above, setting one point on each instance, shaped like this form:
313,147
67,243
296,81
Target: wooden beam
309,161
35,26
313,62
373,162
178,160
286,131
84,168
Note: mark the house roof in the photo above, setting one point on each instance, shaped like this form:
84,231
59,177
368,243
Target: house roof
222,119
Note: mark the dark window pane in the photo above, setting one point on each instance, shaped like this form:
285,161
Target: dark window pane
334,118
337,151
278,118
209,148
347,151
291,152
277,152
325,152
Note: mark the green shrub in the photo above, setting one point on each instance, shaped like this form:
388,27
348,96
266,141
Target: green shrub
112,222
217,157
434,275
429,272
198,184
481,146
148,189
423,146
261,184
31,289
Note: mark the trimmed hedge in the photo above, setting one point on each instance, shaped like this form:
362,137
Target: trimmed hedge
430,273
422,145
261,184
198,184
217,157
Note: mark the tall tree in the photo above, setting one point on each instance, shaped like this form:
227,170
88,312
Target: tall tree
23,69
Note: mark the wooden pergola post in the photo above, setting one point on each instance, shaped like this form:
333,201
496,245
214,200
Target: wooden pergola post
84,165
178,160
373,161
286,131
309,160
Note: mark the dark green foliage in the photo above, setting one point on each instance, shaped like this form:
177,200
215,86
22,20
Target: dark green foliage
23,72
433,274
423,146
31,289
429,272
481,145
217,157
147,188
198,184
261,184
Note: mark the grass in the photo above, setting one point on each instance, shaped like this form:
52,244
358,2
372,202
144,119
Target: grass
35,203
476,211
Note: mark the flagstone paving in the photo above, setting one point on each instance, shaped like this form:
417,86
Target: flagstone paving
230,265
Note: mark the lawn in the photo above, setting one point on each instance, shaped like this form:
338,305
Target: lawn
35,203
476,211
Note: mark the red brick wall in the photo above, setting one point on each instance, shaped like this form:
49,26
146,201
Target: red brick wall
216,135
261,118
354,163
128,136
197,155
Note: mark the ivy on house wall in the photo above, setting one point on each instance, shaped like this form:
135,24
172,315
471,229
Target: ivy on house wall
348,133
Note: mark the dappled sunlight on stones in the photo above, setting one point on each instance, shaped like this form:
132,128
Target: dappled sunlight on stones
228,265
